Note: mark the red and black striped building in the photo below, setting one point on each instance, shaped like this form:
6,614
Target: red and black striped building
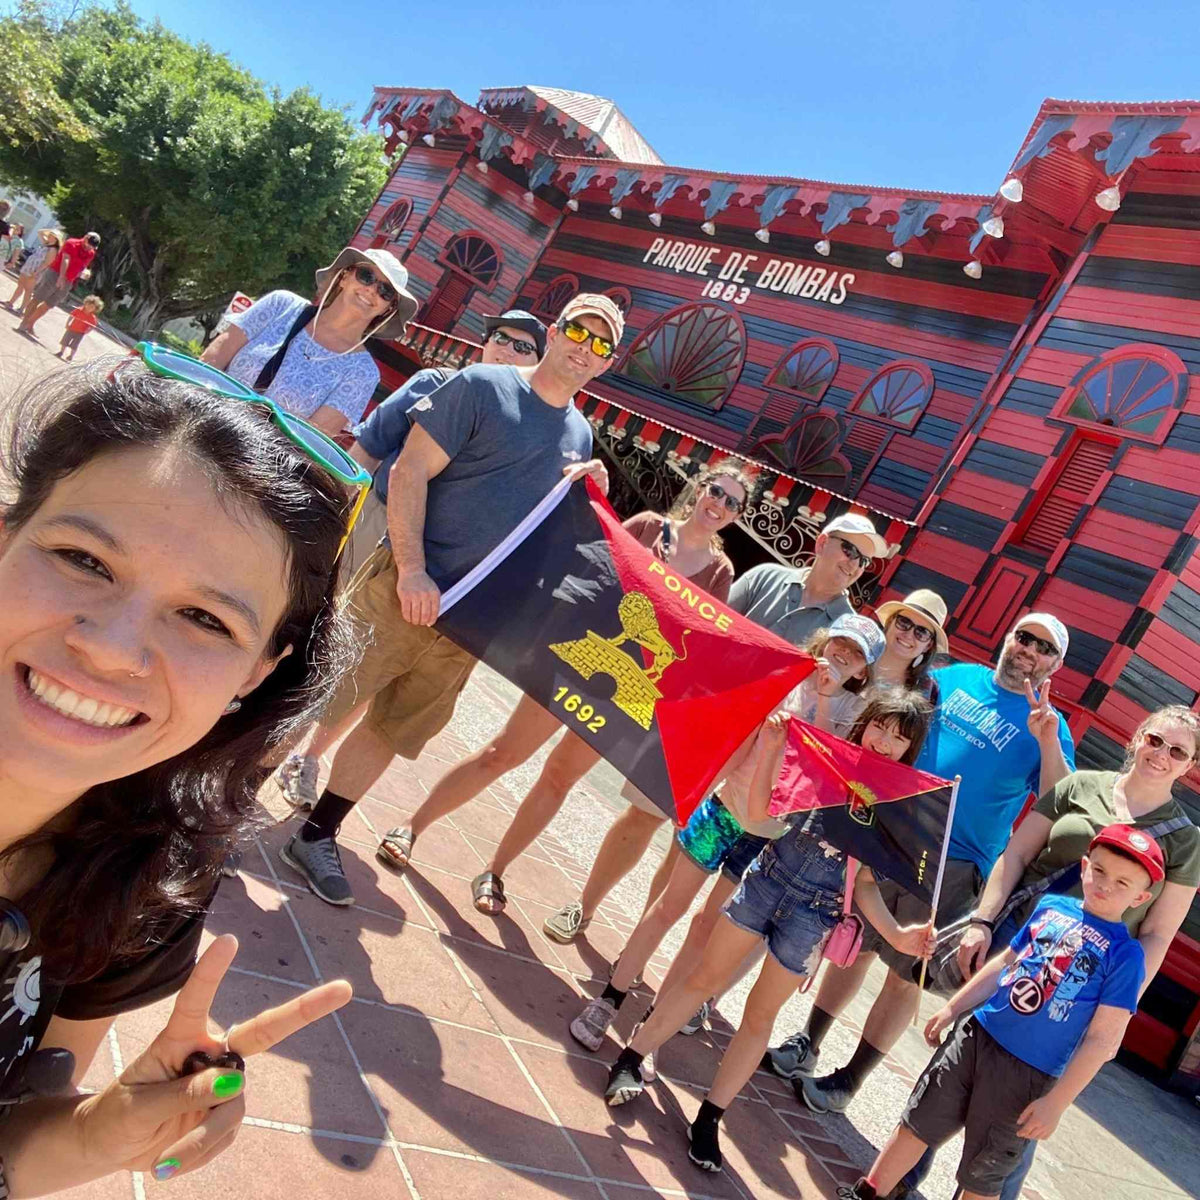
1010,383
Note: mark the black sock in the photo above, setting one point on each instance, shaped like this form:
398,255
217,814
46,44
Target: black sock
614,996
864,1060
864,1191
331,810
629,1057
709,1114
819,1022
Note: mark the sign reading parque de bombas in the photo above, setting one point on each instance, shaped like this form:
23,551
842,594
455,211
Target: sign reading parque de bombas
733,275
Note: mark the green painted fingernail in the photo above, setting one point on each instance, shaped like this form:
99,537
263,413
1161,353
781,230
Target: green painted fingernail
225,1086
165,1169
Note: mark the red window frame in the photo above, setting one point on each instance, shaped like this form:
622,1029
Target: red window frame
1159,355
902,364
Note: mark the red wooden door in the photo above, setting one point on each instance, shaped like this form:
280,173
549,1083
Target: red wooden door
993,608
447,302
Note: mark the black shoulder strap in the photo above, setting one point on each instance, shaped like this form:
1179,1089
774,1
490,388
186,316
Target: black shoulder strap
271,367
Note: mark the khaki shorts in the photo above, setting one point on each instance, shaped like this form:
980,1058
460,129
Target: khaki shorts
49,290
411,674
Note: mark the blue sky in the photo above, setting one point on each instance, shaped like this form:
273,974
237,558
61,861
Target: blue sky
936,95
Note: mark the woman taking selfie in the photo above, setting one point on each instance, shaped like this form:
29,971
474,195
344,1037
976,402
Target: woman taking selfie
167,564
310,358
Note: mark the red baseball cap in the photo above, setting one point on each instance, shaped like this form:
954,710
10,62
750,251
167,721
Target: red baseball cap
1141,847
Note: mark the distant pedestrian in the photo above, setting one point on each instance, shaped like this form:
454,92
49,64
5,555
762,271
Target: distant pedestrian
81,320
57,278
15,245
45,246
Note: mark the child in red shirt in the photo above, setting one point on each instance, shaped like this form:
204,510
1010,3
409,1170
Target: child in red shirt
79,322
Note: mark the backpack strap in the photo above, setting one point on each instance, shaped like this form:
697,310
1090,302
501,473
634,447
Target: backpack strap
271,367
848,898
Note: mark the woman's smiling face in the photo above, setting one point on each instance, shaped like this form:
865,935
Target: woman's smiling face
137,604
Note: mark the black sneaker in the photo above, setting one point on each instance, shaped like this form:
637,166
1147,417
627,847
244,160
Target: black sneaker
625,1083
704,1145
829,1093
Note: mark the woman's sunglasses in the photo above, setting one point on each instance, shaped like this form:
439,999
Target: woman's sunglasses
368,278
601,347
1027,639
718,493
1157,742
308,439
908,625
518,344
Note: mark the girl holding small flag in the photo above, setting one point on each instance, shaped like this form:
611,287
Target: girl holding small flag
720,838
791,898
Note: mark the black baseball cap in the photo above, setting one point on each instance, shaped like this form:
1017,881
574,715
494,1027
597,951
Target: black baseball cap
518,318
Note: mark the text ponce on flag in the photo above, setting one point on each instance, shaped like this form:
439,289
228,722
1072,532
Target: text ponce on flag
656,675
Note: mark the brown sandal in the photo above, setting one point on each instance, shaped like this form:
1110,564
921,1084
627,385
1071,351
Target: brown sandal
396,848
488,886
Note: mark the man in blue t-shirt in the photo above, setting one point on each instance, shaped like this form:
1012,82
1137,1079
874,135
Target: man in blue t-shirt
481,452
1045,1017
997,730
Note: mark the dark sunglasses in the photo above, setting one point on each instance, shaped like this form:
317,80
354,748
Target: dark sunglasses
1027,639
368,278
853,553
601,347
908,625
717,492
308,439
518,344
1157,742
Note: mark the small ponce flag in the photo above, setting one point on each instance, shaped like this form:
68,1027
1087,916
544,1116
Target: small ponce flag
891,817
656,675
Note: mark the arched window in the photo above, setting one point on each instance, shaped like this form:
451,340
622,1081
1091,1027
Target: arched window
392,223
808,449
897,394
473,256
555,295
621,298
806,370
695,352
1134,391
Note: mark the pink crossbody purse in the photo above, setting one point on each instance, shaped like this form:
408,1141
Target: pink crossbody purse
844,943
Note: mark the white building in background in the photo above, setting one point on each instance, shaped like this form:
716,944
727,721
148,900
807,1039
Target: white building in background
31,211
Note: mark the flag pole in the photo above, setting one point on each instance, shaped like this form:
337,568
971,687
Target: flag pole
937,888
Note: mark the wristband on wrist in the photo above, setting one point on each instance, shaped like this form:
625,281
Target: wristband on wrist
990,926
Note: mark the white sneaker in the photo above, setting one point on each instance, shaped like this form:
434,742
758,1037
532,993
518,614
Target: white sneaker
696,1023
297,780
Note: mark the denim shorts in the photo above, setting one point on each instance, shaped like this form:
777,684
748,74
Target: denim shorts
792,898
713,840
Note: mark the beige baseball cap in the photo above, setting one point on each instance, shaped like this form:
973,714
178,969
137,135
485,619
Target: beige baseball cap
591,304
856,525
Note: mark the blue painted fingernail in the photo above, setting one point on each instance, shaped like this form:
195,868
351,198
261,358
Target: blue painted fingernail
165,1169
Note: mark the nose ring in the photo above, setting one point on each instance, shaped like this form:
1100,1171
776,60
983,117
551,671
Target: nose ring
145,668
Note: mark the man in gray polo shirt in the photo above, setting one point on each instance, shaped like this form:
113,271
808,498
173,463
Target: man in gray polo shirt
794,602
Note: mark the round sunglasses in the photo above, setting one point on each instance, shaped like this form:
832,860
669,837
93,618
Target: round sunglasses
368,278
308,439
718,493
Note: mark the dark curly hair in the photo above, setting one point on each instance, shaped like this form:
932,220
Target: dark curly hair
132,856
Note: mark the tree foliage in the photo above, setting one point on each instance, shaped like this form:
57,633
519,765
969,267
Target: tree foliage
200,179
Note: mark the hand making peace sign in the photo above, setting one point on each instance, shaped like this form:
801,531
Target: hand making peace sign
1043,717
151,1118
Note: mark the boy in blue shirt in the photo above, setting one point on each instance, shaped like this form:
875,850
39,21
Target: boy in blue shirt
1045,1016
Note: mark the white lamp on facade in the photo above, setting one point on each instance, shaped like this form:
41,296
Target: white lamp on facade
1012,190
896,259
763,235
615,212
974,269
429,140
709,228
1109,199
656,219
573,204
994,227
823,247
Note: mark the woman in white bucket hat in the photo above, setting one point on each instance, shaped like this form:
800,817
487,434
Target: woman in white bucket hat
311,358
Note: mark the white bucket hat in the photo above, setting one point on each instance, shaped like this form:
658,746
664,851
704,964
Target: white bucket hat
390,268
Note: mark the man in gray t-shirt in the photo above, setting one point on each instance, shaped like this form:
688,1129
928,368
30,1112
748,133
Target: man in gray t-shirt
483,449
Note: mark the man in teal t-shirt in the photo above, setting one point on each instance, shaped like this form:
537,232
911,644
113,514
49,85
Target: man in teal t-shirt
997,730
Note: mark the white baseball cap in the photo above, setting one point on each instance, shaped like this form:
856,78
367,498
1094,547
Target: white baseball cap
856,525
1056,631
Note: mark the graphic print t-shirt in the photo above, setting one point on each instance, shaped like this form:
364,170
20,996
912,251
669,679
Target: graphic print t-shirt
1068,964
979,732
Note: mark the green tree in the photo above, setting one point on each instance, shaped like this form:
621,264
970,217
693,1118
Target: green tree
202,180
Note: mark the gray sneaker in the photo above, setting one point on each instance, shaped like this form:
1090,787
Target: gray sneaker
795,1057
696,1022
320,863
297,780
830,1093
567,924
589,1028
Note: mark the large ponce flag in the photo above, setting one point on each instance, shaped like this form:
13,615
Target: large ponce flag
891,817
656,675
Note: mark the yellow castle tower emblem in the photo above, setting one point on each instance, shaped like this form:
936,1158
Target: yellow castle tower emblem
637,691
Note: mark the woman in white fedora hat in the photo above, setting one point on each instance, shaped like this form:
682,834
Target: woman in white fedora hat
310,358
914,632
